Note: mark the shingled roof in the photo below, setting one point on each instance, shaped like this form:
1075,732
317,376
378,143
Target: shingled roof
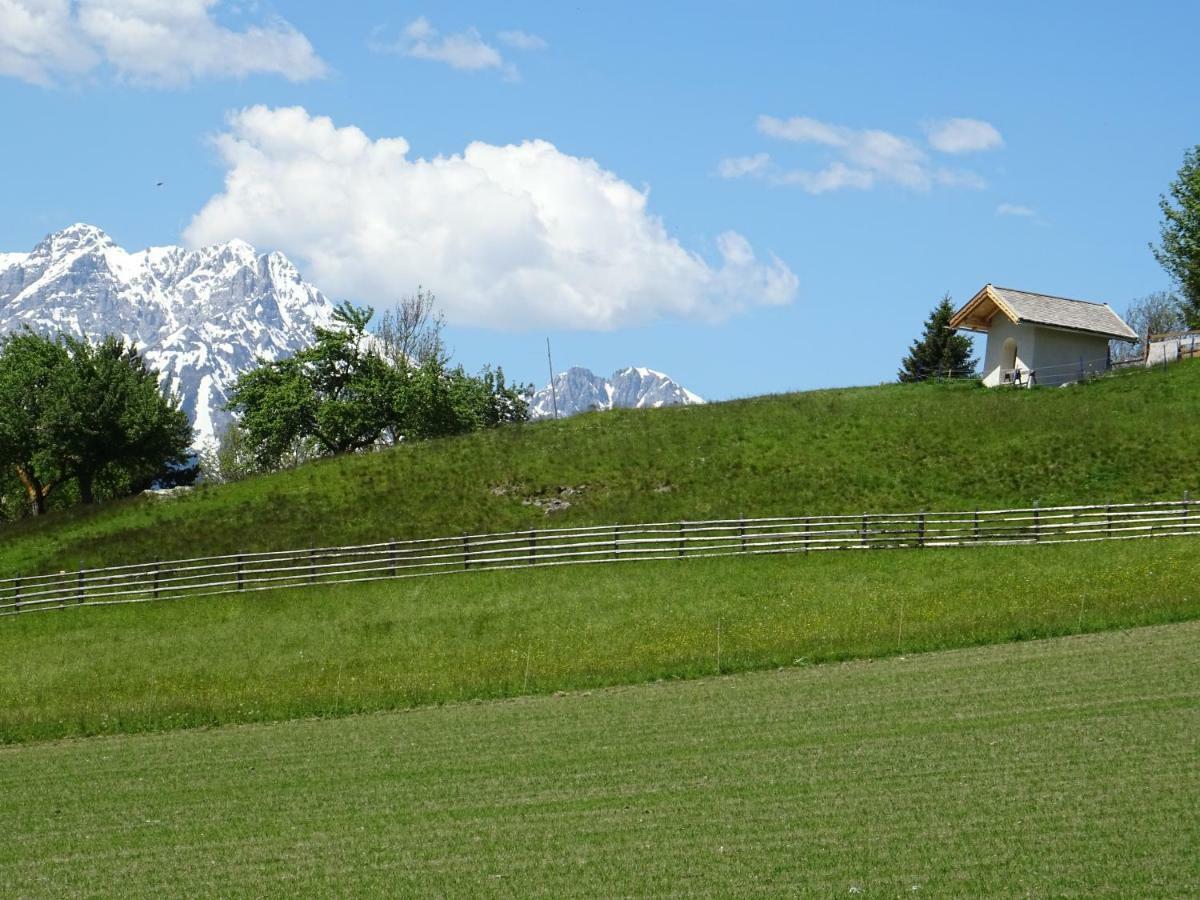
1040,309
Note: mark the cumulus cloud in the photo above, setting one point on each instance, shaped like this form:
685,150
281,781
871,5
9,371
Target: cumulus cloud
865,158
515,236
963,136
153,42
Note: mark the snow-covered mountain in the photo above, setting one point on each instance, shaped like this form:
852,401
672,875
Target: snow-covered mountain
578,390
201,317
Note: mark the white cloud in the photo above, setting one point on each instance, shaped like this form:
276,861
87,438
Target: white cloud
466,51
866,157
154,42
39,40
1014,209
740,166
515,236
963,136
522,40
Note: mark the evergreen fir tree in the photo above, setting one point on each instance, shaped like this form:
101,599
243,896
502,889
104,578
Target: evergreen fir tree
939,352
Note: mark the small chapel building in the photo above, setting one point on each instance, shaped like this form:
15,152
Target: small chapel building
1040,339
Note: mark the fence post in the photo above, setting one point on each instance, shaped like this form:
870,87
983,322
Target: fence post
17,593
976,532
79,583
862,532
807,538
921,529
681,539
1037,521
742,530
466,544
533,546
1108,517
240,576
616,537
312,565
392,558
157,567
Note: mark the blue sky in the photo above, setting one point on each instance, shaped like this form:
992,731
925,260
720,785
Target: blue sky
1079,116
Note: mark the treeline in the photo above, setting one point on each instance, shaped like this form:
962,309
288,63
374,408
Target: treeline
354,390
82,422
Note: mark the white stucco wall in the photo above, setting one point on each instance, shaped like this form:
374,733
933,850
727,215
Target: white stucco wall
1053,355
1001,330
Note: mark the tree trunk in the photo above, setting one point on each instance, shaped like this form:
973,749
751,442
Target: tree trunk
35,491
86,492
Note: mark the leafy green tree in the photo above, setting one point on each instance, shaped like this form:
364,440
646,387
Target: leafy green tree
111,419
1179,252
337,394
73,411
30,369
352,390
939,352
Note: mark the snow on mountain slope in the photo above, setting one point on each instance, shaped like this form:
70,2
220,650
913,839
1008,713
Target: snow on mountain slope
578,390
201,317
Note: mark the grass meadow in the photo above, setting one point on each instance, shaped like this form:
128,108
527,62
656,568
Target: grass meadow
1059,768
1129,436
334,651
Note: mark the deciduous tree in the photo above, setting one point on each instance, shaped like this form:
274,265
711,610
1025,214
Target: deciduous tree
1179,250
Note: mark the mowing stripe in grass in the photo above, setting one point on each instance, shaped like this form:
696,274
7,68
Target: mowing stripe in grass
1065,767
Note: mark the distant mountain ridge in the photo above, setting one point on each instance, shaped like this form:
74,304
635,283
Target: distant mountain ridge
201,316
635,387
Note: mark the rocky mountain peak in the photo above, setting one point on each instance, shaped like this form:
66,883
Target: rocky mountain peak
579,390
200,316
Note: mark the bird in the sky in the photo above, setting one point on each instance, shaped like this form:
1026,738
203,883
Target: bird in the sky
160,184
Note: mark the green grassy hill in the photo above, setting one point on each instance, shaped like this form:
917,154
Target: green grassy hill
1063,768
890,448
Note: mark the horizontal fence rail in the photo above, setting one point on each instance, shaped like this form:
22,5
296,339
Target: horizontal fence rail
243,572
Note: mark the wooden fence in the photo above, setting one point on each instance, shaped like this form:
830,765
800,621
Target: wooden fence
243,572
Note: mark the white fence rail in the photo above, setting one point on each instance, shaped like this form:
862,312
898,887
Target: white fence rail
243,572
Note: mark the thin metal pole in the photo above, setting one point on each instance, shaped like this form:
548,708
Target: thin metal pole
553,390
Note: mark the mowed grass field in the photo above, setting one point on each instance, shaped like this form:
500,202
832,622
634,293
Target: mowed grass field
357,648
892,448
1058,768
